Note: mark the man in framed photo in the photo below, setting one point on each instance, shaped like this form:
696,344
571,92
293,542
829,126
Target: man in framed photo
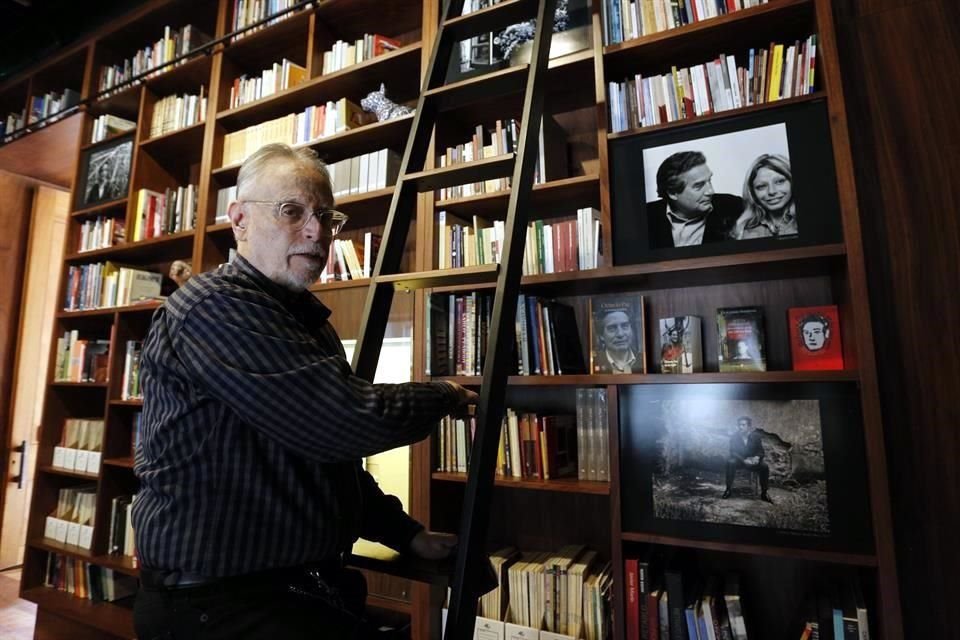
689,212
619,351
746,452
815,331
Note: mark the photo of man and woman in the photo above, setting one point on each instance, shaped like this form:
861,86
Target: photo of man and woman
734,186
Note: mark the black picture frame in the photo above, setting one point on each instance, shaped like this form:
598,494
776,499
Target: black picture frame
641,237
105,173
673,464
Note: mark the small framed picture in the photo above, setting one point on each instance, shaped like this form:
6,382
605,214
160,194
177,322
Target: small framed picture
747,183
106,173
617,334
815,338
775,464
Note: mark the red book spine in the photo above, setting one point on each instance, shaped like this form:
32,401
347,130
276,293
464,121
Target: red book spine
631,577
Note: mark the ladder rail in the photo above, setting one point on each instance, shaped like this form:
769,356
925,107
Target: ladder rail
471,562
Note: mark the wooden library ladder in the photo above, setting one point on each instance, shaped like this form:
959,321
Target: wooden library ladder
472,575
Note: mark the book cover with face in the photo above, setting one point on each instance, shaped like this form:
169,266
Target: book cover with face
741,342
815,338
617,334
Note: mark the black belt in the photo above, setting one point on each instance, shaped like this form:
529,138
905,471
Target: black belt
157,579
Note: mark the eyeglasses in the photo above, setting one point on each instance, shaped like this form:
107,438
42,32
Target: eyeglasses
295,216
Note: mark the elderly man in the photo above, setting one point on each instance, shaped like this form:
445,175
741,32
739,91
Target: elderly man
689,211
253,431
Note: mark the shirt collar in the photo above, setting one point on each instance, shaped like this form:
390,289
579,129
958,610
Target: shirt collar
287,297
672,217
785,221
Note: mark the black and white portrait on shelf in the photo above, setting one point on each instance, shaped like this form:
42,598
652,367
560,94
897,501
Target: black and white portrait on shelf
755,463
733,186
107,173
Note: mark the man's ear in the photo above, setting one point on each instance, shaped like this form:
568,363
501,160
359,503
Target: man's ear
239,219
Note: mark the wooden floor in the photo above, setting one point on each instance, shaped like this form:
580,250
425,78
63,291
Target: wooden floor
17,616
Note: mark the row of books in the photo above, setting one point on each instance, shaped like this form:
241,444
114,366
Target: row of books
364,173
109,125
547,340
100,233
86,580
280,76
173,44
344,54
767,75
81,360
80,445
159,214
550,595
13,123
313,123
351,261
224,197
71,521
50,103
563,245
531,446
485,143
104,284
628,19
130,382
121,540
664,600
175,112
247,12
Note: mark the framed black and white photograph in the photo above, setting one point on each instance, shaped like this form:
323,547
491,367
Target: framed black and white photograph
763,464
106,173
753,182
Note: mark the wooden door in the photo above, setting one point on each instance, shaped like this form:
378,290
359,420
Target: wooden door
38,306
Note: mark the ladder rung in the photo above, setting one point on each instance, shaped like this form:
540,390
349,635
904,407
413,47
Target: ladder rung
466,173
462,277
489,85
491,18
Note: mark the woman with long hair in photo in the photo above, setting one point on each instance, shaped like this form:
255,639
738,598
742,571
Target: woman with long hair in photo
769,206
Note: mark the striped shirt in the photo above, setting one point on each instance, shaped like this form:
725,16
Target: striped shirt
253,428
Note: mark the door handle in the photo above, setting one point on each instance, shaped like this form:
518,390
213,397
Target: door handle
22,450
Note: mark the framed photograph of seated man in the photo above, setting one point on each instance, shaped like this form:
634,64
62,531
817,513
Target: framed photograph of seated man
105,173
770,464
748,183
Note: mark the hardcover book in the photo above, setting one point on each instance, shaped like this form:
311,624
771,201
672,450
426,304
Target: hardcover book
740,334
681,349
815,338
617,334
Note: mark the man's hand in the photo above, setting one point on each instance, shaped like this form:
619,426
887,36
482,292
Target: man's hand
752,460
467,400
432,546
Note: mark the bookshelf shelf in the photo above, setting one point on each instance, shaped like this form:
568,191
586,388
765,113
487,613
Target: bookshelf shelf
126,403
476,171
766,106
690,272
561,485
389,604
125,102
344,144
340,284
107,140
57,471
559,194
123,564
355,80
176,145
102,207
125,463
853,559
144,306
80,385
711,35
144,250
219,228
462,277
491,18
603,380
187,76
107,617
261,43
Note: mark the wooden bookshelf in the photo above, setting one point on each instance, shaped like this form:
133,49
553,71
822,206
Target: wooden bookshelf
556,512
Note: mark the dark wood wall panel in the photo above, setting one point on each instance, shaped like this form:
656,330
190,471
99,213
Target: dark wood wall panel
900,61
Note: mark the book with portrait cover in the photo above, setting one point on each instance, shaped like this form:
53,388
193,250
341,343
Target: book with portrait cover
740,335
617,334
815,338
681,348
